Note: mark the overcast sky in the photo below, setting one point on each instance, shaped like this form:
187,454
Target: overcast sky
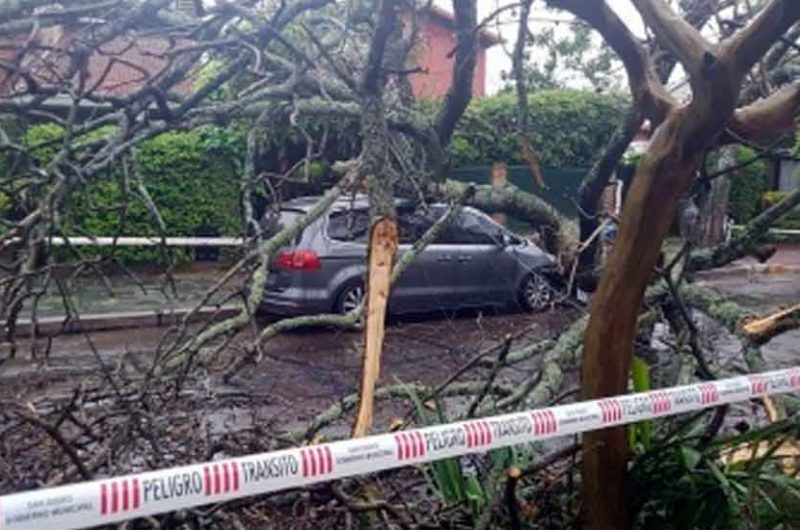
498,60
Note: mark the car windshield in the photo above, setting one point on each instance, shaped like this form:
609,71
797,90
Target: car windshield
468,227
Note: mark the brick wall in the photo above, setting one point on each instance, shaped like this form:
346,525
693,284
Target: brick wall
436,41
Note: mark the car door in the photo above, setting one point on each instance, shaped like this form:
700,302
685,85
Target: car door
484,268
427,283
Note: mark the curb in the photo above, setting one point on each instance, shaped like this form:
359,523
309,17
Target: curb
112,321
745,270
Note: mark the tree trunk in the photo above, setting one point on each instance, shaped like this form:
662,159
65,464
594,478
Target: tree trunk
649,209
710,230
592,187
383,236
382,249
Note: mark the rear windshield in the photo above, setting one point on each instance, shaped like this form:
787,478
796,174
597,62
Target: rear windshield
349,225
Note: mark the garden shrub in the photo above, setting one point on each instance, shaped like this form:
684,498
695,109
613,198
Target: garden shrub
192,177
568,128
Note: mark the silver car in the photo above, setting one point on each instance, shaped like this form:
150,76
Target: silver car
475,262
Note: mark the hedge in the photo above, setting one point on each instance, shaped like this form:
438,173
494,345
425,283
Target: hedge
747,186
568,128
192,177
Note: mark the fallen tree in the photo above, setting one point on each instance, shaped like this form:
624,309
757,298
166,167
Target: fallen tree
346,65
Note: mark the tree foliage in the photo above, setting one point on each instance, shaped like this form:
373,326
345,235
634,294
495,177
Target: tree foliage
571,58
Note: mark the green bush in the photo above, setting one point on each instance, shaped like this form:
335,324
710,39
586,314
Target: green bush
688,483
568,128
192,178
747,186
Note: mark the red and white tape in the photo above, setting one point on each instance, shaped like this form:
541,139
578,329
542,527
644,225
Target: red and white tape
116,499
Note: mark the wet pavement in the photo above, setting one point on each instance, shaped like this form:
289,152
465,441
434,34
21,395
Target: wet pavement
762,294
304,372
301,373
138,289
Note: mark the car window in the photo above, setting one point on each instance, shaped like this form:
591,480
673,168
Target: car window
349,225
414,224
469,229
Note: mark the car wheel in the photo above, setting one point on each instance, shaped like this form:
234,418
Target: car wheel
536,293
350,298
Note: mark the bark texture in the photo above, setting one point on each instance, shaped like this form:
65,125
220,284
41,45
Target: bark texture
383,236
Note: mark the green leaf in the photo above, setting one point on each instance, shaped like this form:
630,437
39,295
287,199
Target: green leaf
691,457
642,431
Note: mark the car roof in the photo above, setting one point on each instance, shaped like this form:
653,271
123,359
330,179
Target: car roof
350,202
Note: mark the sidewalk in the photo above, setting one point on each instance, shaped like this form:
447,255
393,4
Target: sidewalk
124,303
786,260
91,295
154,303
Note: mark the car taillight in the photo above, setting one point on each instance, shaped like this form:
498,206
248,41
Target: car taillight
298,260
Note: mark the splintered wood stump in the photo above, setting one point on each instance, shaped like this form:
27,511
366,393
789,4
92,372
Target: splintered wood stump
762,329
382,248
499,178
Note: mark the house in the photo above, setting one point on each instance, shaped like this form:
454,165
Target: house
784,170
117,68
126,63
434,55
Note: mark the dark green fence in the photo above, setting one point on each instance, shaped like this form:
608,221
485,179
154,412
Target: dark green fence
562,183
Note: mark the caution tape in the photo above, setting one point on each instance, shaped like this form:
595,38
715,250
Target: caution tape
116,499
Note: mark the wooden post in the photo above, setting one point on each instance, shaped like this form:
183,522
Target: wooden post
382,248
499,178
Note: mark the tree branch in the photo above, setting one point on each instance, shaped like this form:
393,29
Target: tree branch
647,90
743,244
745,47
678,36
768,116
763,328
513,201
460,92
